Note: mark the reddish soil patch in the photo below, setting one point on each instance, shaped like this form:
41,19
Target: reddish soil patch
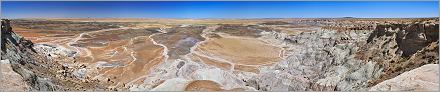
242,51
203,85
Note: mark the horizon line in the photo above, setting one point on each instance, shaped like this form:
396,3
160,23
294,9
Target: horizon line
225,0
232,18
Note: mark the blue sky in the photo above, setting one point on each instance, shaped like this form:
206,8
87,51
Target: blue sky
216,9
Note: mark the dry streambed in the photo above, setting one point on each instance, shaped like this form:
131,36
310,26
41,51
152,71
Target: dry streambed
123,57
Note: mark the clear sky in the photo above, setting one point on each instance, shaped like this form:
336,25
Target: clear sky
216,9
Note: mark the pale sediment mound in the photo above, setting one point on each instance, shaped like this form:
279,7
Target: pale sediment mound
425,78
10,80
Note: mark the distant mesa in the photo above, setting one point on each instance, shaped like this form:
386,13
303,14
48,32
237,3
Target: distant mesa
348,17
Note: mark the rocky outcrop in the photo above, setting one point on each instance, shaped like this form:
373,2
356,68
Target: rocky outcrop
320,60
38,69
350,59
392,46
22,57
10,80
410,38
424,78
